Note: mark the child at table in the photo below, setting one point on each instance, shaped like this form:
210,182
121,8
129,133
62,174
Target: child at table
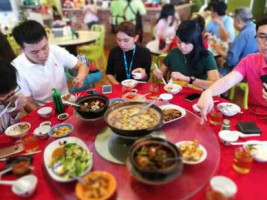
10,100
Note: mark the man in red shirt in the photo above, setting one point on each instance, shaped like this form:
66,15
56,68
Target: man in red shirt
250,69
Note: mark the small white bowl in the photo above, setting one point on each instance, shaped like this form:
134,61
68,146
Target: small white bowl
224,185
45,123
30,186
137,75
45,112
62,116
129,83
42,131
16,130
173,89
227,137
166,96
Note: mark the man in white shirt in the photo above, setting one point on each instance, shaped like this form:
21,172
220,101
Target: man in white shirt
41,66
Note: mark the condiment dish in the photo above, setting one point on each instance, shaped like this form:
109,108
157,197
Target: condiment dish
45,112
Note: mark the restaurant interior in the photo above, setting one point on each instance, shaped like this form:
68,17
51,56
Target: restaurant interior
156,132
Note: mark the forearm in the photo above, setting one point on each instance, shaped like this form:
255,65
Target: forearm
112,79
82,71
204,84
30,106
224,33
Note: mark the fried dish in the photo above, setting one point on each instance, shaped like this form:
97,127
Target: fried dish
170,114
92,105
190,151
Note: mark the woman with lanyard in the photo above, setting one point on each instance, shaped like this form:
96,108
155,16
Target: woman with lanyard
128,58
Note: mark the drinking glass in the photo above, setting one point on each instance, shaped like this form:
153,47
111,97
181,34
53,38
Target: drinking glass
215,117
154,90
242,161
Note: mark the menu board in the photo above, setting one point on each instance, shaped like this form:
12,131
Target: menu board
5,6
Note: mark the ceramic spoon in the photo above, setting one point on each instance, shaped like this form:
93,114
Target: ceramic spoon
71,103
243,135
249,142
24,184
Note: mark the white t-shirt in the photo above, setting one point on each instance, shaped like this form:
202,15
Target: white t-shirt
37,80
163,29
89,15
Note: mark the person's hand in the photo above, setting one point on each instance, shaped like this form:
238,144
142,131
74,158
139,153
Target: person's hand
217,20
158,73
78,82
207,36
140,70
177,76
21,101
217,47
205,104
264,93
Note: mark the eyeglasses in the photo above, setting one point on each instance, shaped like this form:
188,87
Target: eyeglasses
261,37
10,95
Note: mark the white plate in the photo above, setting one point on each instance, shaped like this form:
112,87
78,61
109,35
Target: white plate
202,158
55,144
172,106
259,153
229,109
15,132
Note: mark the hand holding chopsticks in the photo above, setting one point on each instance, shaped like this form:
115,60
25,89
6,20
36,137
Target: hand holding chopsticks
162,78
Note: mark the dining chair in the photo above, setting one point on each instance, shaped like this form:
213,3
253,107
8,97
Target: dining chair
244,87
95,52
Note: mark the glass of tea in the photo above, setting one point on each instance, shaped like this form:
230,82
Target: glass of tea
154,90
215,117
242,161
30,143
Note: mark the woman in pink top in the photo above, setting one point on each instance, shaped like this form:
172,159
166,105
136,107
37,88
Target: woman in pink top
251,68
167,22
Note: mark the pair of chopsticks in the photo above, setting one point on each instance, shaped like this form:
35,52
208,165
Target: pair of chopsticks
5,109
162,78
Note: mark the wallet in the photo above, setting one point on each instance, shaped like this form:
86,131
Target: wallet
248,127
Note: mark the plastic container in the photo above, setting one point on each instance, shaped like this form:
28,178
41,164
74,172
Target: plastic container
57,101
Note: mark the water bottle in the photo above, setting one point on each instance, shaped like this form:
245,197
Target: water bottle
57,101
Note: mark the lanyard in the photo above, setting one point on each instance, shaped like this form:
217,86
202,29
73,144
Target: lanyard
128,69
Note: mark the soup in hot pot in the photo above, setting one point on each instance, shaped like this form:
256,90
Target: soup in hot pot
124,118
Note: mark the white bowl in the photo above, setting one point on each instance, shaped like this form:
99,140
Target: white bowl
137,75
17,130
229,109
48,157
42,131
224,185
45,112
166,96
173,89
258,152
29,186
129,83
227,137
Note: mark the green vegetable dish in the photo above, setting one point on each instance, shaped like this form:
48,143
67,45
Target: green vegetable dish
70,160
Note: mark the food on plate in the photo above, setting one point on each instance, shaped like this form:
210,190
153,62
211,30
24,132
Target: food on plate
66,97
21,167
259,152
190,150
123,118
170,114
21,128
129,83
100,185
153,157
63,116
70,160
117,103
92,105
168,88
61,131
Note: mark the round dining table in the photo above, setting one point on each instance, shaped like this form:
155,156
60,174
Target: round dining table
219,160
70,43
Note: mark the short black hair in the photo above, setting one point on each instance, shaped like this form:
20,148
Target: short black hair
218,6
8,77
30,32
128,28
261,22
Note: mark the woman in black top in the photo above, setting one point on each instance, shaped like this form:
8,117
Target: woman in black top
127,57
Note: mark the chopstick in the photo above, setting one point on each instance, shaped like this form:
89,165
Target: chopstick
162,78
3,111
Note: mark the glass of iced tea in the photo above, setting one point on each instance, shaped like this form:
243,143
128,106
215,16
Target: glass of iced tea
154,90
242,161
215,117
30,143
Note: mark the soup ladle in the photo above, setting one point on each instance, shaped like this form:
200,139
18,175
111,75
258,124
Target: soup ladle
71,103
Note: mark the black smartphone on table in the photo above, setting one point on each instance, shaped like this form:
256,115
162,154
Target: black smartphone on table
94,91
248,128
264,80
192,97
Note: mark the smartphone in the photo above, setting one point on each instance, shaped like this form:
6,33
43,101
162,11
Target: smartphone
106,89
7,151
192,97
92,91
264,80
248,128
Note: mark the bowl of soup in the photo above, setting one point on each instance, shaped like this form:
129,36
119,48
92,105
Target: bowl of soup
154,161
130,119
92,106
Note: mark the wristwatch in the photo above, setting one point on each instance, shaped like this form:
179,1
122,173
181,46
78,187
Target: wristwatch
191,80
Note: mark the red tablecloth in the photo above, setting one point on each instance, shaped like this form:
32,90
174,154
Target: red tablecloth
250,186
